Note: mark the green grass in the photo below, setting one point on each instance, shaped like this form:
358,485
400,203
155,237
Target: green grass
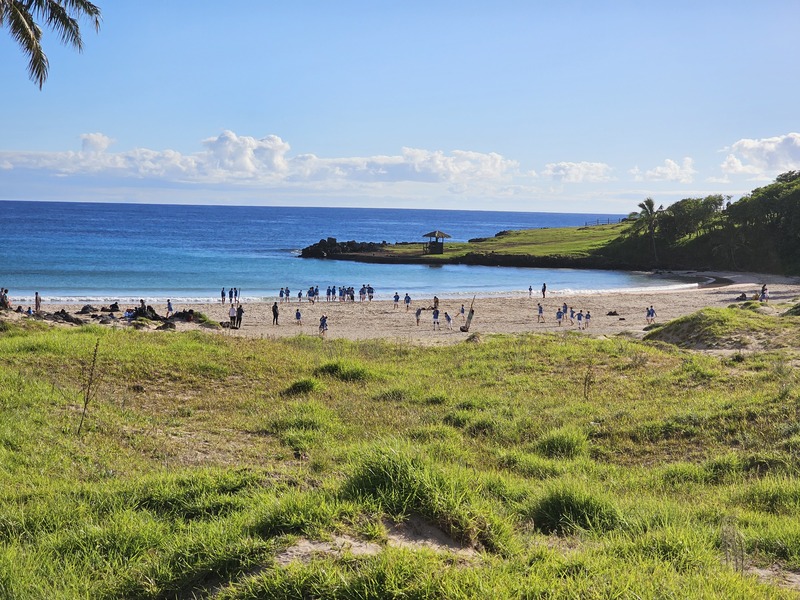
203,459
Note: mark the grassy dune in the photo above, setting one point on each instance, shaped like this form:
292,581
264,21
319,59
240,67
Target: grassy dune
233,468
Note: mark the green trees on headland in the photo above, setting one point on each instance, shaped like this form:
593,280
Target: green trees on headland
760,231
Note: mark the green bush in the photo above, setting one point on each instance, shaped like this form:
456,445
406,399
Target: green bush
564,442
568,508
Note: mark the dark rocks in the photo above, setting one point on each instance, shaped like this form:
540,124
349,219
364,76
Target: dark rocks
63,316
330,247
87,310
113,308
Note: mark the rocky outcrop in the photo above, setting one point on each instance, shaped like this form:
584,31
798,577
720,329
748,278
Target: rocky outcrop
329,248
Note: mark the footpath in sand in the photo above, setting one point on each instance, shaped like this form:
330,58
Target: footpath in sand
381,320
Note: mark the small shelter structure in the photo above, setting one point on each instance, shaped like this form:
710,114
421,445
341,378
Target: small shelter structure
435,243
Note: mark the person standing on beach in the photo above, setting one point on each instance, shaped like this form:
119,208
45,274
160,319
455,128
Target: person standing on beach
222,293
559,316
275,314
539,313
170,312
449,320
232,315
530,291
323,325
230,296
239,313
580,319
407,300
572,315
436,319
586,320
298,317
418,313
461,312
396,300
37,303
544,289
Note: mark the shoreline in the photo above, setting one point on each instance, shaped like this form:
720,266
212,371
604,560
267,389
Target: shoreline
613,312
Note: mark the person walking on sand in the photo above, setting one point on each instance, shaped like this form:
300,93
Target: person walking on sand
222,294
559,316
170,312
418,313
396,299
461,312
298,317
275,314
572,315
580,319
323,325
239,315
544,289
232,315
539,313
407,300
37,303
586,320
436,319
530,291
449,320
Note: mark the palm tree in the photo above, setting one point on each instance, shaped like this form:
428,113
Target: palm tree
20,18
648,219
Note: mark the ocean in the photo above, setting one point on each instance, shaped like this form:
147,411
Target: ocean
101,252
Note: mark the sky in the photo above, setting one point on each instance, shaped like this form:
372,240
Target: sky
569,106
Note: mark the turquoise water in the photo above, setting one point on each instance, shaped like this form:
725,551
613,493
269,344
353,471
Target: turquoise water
80,252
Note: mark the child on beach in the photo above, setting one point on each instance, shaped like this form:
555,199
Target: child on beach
417,314
559,316
539,313
407,300
586,320
298,317
580,319
449,320
436,319
571,315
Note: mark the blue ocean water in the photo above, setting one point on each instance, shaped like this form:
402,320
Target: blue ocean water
83,252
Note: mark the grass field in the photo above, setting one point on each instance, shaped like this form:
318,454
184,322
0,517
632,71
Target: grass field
572,242
531,466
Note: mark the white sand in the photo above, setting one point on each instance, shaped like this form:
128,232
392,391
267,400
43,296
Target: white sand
379,319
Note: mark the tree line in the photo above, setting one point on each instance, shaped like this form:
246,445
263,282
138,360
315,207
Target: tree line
760,231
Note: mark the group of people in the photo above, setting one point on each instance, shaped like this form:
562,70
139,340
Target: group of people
232,295
544,290
298,319
565,313
5,303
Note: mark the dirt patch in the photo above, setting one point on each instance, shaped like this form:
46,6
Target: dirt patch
776,575
413,534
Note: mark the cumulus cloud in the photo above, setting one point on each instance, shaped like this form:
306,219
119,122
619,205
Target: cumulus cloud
669,171
578,172
234,159
95,142
763,158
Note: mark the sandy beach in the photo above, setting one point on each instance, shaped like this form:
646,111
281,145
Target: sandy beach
380,319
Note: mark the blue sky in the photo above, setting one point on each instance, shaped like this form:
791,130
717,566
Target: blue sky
532,106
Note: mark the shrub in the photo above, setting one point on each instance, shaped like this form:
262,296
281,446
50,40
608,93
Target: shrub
564,442
568,508
304,386
344,371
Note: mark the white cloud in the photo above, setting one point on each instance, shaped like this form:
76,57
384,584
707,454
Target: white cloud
764,158
578,172
95,142
669,171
